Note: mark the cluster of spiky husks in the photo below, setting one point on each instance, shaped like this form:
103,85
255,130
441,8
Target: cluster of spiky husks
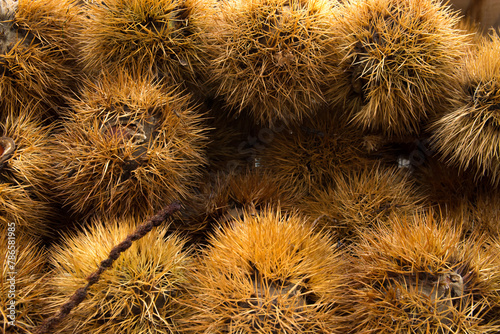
24,173
35,52
23,287
320,89
271,57
307,156
127,147
266,273
468,136
361,199
397,60
417,276
160,35
138,294
256,189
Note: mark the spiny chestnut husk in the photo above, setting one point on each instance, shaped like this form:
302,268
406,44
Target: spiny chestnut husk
23,281
159,35
397,60
19,205
361,199
485,212
307,156
24,148
224,197
137,294
457,196
270,57
478,214
468,136
127,147
37,53
24,173
417,276
267,273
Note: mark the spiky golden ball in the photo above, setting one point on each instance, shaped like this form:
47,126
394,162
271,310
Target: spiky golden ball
307,156
24,172
30,161
362,198
159,35
266,273
138,294
468,136
417,276
36,50
127,147
271,57
396,62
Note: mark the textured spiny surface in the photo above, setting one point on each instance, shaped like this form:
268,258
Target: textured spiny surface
160,35
30,162
266,273
416,276
137,294
224,197
127,148
478,213
22,280
309,155
397,59
24,170
35,51
18,205
359,199
468,136
271,56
